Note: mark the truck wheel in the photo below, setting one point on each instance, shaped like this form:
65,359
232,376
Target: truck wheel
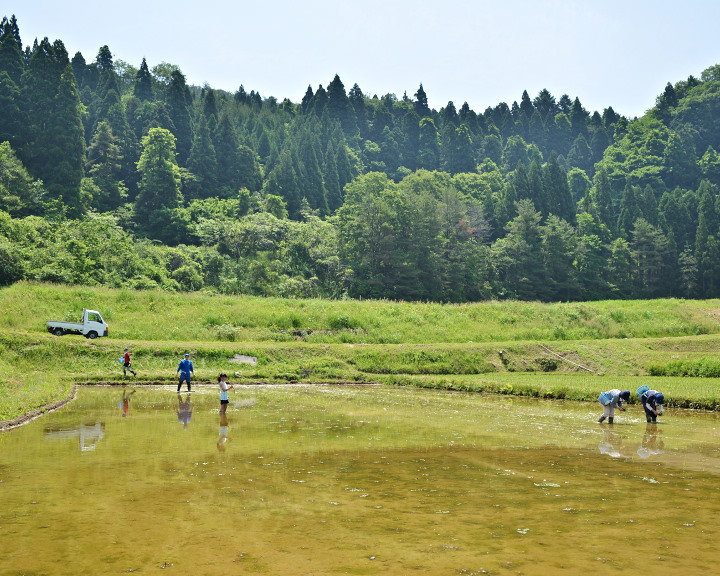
92,335
58,332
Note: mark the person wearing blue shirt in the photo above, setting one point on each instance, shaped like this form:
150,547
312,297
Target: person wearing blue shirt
185,369
652,402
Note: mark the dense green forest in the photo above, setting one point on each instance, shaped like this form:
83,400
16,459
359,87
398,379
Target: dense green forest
117,175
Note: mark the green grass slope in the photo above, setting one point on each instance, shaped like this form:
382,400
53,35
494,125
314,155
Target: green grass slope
569,350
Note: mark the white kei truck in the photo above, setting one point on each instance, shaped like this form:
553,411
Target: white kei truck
91,326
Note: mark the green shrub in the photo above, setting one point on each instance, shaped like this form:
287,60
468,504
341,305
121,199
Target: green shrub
700,368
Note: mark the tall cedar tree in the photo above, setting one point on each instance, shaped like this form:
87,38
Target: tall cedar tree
104,161
557,189
178,108
11,117
203,161
11,57
66,154
250,174
338,105
160,182
143,83
421,103
228,159
282,181
39,86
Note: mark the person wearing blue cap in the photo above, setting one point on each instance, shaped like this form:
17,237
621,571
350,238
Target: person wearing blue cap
185,368
652,402
610,400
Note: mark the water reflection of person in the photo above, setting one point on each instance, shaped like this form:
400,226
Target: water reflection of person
184,410
125,402
652,442
223,434
612,443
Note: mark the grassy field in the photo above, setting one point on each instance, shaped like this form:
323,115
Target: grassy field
572,350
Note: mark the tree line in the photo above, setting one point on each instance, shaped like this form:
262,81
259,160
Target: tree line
112,174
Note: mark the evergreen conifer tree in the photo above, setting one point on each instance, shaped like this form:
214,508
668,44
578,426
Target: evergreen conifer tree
228,159
203,161
159,195
578,119
629,211
282,181
66,142
331,178
12,124
307,99
557,190
429,151
79,69
180,115
344,167
143,83
526,105
104,164
411,141
11,56
311,181
250,172
357,102
338,105
538,194
421,103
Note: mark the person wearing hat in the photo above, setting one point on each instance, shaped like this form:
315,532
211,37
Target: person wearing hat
185,369
126,364
652,402
610,400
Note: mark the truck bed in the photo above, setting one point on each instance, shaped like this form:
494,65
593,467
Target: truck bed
65,325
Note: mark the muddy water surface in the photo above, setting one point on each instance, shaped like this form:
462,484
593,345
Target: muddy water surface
329,480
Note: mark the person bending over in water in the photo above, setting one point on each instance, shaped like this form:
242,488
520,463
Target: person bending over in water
610,400
652,402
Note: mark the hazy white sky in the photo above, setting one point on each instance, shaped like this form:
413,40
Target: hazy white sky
618,53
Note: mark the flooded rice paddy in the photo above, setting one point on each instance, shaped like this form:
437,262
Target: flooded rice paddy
356,480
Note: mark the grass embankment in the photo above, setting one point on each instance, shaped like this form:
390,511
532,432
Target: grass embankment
506,347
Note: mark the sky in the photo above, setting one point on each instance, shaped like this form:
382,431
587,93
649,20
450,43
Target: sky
605,52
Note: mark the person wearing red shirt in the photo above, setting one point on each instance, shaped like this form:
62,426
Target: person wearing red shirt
126,364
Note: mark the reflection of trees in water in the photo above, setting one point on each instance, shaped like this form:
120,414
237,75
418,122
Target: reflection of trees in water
88,435
652,443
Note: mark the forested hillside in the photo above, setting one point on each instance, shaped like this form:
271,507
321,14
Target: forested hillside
120,175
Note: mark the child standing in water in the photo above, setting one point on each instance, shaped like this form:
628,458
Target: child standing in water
224,387
610,400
